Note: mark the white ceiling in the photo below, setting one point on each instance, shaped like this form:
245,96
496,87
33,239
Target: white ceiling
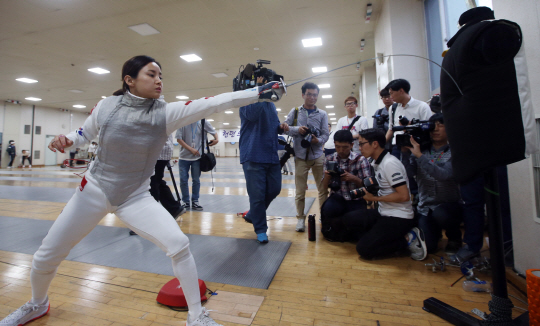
56,41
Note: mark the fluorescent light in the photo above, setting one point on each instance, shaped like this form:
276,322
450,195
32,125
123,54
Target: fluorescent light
225,123
329,106
220,75
78,106
278,109
144,29
104,97
26,80
318,69
238,127
324,86
229,112
191,57
210,120
327,96
332,118
331,114
309,42
334,123
32,99
182,97
99,71
78,91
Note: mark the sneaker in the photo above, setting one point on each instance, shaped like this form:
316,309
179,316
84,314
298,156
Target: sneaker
131,232
186,206
181,210
417,244
26,313
29,166
301,225
195,206
462,255
204,319
285,172
262,238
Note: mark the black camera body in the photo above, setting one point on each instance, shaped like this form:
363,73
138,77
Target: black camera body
381,119
335,172
247,76
371,185
418,129
289,151
311,131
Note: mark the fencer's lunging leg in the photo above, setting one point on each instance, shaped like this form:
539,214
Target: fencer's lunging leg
81,214
151,221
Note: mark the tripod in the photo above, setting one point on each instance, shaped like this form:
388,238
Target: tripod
500,306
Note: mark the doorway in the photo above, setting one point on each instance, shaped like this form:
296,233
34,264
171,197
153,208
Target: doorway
50,156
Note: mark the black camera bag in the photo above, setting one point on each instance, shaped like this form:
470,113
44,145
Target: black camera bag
208,160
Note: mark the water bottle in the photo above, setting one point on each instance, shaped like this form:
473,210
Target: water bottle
311,228
477,286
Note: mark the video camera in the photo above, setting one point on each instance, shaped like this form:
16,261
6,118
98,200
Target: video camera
335,172
371,185
311,131
247,76
289,151
419,129
381,119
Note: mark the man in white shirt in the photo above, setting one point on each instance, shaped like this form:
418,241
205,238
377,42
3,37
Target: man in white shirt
407,107
358,122
390,229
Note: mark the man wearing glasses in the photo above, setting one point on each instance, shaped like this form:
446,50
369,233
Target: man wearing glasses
381,116
352,122
308,148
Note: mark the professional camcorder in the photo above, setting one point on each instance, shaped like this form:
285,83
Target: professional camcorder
247,76
370,186
335,172
419,129
381,119
311,131
289,151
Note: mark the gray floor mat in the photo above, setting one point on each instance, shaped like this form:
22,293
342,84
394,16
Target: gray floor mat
241,262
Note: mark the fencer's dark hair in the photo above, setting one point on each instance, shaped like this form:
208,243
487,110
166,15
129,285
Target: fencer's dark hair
343,136
309,85
384,92
132,68
437,117
398,84
374,134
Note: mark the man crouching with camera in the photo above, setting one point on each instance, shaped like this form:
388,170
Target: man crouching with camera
344,170
389,229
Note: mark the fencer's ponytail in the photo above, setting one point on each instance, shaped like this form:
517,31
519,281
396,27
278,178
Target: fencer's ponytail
132,68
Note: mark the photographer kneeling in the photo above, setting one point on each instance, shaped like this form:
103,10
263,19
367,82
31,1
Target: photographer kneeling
439,204
390,229
344,171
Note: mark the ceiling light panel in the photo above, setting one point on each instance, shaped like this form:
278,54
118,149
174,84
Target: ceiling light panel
32,99
79,106
229,112
309,42
331,114
332,118
190,57
334,123
327,96
220,75
99,71
324,85
329,106
225,123
319,69
144,29
26,80
182,97
210,120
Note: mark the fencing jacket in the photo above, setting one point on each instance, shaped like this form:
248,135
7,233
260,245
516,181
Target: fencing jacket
133,130
492,122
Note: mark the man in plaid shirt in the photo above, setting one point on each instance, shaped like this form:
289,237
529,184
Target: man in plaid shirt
355,168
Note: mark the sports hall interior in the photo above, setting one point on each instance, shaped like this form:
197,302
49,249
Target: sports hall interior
313,283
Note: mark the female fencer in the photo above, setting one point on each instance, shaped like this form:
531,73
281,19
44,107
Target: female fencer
132,127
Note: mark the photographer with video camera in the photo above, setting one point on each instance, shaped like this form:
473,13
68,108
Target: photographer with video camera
344,171
309,129
259,156
382,115
439,207
390,228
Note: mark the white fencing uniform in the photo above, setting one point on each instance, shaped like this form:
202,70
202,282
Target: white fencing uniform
132,131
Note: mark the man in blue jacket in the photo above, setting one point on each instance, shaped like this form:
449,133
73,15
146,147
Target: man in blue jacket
258,156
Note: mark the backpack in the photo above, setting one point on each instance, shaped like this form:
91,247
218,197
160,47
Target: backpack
207,160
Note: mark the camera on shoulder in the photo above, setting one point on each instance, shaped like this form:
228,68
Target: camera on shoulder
418,129
247,76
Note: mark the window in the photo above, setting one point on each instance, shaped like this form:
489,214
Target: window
27,129
36,155
38,130
536,173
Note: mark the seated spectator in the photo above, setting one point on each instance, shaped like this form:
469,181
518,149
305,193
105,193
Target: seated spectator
389,229
344,171
439,206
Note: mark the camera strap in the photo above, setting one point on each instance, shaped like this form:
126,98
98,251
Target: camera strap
295,121
353,122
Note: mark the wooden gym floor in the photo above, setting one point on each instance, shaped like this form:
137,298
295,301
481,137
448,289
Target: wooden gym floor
318,283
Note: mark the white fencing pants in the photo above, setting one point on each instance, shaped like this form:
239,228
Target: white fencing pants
141,212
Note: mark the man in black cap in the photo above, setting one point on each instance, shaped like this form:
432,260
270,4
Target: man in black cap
486,87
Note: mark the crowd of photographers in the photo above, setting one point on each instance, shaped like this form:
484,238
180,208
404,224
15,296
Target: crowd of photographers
388,188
